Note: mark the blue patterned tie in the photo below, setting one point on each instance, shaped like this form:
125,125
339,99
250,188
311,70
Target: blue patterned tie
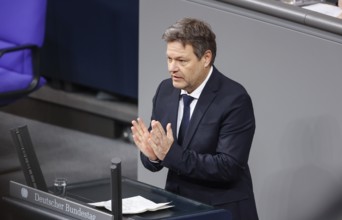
186,118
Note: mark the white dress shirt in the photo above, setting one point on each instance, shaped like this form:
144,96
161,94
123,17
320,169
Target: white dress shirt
195,94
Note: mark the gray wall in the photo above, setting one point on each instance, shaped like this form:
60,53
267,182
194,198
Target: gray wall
293,74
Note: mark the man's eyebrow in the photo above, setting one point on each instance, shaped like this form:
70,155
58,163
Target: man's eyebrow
176,58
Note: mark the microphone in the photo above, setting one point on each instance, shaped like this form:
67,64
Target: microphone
116,182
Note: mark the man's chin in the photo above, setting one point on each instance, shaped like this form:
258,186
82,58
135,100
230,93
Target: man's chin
177,84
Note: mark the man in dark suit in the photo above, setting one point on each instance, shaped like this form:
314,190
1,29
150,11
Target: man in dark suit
208,160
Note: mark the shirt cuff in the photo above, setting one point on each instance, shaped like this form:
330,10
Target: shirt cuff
155,161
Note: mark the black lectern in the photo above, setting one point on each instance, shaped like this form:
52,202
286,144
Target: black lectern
34,201
78,195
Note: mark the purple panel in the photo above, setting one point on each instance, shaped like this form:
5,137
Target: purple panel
13,81
22,21
10,80
19,61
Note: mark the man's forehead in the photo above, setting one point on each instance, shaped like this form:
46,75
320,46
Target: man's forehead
179,48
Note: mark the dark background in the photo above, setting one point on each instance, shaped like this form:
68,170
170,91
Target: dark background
93,43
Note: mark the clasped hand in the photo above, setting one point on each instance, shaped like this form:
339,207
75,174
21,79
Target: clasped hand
153,144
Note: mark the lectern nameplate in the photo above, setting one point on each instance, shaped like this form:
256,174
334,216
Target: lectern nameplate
55,203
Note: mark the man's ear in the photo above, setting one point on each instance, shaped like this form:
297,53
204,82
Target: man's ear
207,58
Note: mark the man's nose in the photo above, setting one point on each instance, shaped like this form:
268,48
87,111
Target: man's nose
173,66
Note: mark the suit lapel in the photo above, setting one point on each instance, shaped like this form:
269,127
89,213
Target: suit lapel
205,100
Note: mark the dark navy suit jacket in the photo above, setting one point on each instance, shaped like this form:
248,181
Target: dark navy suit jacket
211,166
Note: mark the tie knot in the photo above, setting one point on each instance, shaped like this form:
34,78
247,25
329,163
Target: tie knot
187,100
